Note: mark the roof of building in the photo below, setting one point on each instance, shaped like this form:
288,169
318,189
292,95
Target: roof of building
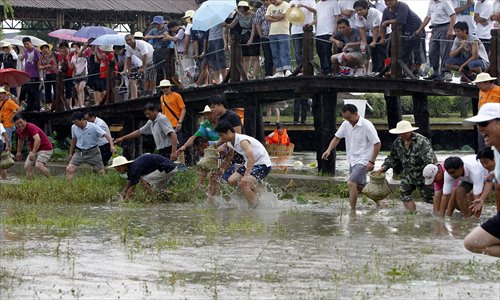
156,6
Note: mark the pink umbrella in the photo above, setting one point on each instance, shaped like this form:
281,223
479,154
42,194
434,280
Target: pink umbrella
13,77
67,34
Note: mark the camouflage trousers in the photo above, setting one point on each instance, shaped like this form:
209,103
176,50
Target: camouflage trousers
426,192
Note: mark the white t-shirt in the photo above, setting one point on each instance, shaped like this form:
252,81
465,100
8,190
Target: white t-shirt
359,140
141,48
2,130
474,173
100,122
325,15
281,27
465,16
309,16
484,10
440,11
497,164
380,5
80,65
373,19
261,157
348,5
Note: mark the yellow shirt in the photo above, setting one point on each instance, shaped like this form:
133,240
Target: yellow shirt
281,27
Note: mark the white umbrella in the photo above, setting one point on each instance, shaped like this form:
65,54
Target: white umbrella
34,40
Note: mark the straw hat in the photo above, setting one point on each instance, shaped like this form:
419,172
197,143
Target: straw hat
243,4
482,77
430,171
188,14
138,34
5,44
487,112
119,161
106,48
206,110
403,127
295,15
165,82
2,90
44,45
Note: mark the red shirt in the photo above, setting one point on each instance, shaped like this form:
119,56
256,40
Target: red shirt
30,131
104,62
69,72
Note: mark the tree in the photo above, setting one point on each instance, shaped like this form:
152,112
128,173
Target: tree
8,9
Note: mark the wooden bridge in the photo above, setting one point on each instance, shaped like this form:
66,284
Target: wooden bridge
322,89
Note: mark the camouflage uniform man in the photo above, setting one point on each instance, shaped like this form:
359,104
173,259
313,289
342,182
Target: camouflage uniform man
414,152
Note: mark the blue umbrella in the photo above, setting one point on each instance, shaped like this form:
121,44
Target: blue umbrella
212,13
109,39
92,32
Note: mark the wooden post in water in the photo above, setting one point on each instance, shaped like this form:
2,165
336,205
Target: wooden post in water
307,51
129,148
421,114
58,103
259,126
110,84
325,118
250,116
396,51
494,53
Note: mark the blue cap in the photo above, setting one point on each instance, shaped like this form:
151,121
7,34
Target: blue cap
158,20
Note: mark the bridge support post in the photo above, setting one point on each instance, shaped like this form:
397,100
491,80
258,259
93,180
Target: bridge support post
421,114
393,108
110,84
251,115
325,118
129,147
494,53
58,104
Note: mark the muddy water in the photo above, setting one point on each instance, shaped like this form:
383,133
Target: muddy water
285,251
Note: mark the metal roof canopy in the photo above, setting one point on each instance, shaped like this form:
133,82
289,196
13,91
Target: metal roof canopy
53,14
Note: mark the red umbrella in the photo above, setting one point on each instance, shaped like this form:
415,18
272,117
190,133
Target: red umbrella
13,77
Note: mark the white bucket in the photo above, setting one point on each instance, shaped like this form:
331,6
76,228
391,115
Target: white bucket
360,104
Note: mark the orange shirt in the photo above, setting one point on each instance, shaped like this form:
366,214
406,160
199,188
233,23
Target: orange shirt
7,112
491,96
176,104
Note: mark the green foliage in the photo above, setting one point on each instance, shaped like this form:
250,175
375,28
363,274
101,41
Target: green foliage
183,187
443,106
8,9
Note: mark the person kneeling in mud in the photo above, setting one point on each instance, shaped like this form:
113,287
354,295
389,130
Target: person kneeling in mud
257,162
152,170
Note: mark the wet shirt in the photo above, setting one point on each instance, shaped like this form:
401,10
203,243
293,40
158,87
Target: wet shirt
146,164
207,130
413,159
160,128
404,16
88,137
474,173
29,132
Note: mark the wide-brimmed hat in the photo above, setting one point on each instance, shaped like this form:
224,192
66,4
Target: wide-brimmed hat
487,112
164,83
138,34
430,171
403,127
482,77
44,45
206,110
188,14
120,161
243,4
2,90
295,15
5,44
106,48
158,20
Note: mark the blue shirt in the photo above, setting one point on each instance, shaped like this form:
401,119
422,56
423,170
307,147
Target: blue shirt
146,164
88,137
404,16
159,43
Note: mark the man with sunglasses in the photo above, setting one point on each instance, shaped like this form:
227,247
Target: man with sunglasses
486,238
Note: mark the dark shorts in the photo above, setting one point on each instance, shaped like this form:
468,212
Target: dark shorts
134,75
105,153
68,88
466,185
215,55
258,171
100,85
250,50
492,226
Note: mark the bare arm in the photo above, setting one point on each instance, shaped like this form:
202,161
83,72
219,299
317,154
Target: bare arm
132,135
333,143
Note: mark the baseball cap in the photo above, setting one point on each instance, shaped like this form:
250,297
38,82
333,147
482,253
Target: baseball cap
429,173
487,112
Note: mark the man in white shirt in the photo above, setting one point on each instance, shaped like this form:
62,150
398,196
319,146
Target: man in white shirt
368,22
347,11
442,16
326,13
257,162
465,13
483,11
472,176
104,145
362,148
486,238
144,51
